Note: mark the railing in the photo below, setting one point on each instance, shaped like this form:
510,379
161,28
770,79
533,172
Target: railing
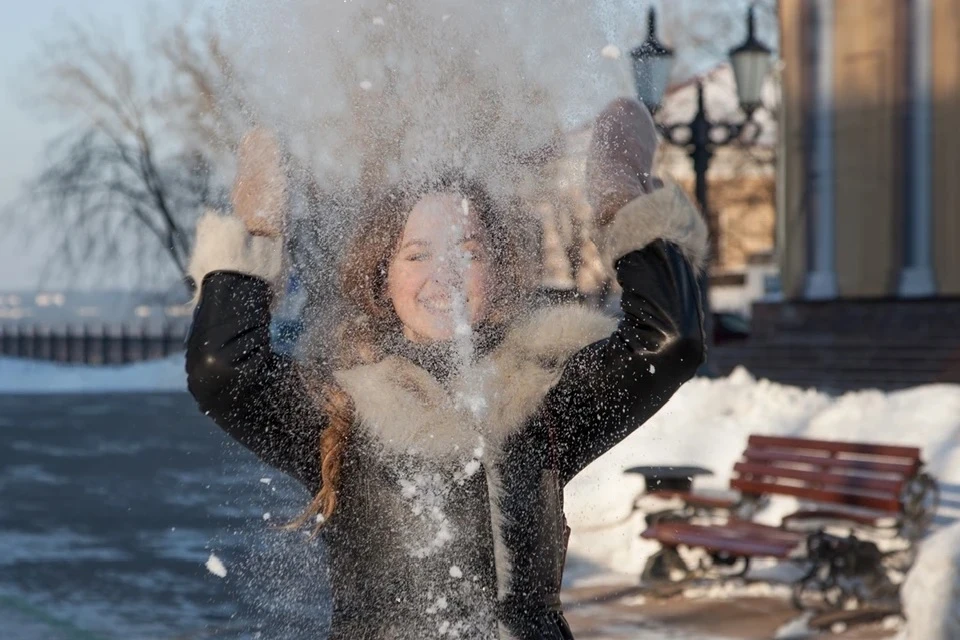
103,345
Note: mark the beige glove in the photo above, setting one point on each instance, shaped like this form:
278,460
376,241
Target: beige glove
621,158
260,190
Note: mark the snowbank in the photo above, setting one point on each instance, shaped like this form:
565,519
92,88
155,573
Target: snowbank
707,423
32,376
931,593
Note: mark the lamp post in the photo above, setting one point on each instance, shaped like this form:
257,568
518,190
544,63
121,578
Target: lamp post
652,62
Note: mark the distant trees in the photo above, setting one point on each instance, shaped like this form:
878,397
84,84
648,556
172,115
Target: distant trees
124,186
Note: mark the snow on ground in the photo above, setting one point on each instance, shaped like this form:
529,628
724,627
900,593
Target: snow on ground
707,423
34,376
931,593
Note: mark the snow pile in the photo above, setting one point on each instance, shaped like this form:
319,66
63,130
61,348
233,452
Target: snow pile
34,376
707,423
931,593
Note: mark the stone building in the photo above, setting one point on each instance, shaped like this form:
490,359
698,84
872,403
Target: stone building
868,197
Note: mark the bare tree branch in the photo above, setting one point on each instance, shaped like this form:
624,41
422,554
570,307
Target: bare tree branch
135,172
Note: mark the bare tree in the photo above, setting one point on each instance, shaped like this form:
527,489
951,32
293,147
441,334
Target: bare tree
140,162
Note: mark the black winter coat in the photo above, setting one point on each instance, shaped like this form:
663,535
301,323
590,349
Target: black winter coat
449,519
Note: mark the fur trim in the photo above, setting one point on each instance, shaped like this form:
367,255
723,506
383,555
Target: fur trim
223,244
666,214
405,408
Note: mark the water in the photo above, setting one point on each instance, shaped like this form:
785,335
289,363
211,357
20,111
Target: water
111,504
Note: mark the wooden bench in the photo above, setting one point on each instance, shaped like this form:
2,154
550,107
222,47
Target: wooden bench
841,482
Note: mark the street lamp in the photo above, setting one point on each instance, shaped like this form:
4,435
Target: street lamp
652,62
750,62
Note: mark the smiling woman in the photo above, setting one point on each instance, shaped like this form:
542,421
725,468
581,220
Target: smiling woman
441,269
437,441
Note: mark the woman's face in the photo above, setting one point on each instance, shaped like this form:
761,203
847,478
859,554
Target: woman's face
437,279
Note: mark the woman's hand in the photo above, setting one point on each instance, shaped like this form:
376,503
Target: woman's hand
621,158
260,190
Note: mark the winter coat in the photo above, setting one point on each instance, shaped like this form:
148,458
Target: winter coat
445,527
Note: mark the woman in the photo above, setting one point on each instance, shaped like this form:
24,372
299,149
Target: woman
438,446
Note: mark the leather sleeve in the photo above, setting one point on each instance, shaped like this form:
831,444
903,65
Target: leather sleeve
613,386
254,394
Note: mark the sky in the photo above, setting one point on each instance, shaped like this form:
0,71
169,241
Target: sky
24,133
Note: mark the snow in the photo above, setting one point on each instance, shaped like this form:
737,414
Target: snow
215,566
931,593
611,52
707,423
33,376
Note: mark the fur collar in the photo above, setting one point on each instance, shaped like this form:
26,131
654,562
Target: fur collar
405,408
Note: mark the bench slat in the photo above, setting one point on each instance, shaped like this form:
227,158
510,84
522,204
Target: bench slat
820,495
821,480
823,462
867,518
766,531
718,539
866,448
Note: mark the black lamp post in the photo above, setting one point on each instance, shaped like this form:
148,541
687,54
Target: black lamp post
652,62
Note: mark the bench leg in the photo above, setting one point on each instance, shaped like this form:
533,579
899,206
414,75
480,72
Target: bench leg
665,565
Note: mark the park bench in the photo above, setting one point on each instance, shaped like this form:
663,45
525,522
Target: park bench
850,483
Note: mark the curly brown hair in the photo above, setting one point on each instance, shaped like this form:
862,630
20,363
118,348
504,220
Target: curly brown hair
370,316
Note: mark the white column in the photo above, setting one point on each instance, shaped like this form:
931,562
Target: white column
916,276
821,277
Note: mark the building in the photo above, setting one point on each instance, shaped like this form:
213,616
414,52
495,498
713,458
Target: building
868,197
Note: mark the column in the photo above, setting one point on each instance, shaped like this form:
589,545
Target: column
822,278
916,276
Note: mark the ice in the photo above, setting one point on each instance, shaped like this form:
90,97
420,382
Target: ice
215,566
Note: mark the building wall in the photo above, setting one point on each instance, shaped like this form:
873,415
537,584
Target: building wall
871,114
946,145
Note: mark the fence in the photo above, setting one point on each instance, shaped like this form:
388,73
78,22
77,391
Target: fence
103,345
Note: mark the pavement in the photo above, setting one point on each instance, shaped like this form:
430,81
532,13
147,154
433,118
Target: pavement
621,612
594,613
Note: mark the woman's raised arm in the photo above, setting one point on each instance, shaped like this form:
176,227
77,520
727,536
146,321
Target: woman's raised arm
611,387
656,241
259,397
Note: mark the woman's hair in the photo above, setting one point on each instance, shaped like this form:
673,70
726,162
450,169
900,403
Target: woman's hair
369,314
